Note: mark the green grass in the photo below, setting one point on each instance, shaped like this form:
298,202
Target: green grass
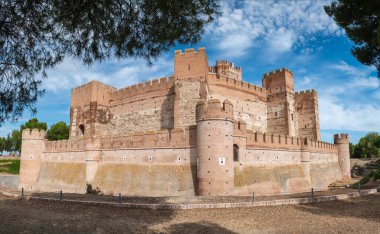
10,166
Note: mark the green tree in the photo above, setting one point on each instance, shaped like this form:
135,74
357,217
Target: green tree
8,145
33,123
361,21
366,147
2,145
16,141
352,150
58,131
37,35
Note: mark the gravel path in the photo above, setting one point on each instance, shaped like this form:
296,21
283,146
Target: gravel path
358,215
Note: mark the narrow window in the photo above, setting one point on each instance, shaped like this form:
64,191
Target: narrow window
236,153
189,67
275,113
81,130
292,117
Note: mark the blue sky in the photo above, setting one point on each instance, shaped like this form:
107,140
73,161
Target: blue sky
259,36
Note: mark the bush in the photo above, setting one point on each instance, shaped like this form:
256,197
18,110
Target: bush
91,190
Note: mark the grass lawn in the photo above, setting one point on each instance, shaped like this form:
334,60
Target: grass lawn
10,166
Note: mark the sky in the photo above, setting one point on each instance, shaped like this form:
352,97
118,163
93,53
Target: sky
259,36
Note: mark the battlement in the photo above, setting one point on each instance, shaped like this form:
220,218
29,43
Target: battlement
65,145
89,84
33,134
277,72
341,139
278,80
237,84
214,109
190,51
256,139
306,92
163,83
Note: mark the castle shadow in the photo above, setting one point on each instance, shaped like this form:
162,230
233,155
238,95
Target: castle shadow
201,227
366,207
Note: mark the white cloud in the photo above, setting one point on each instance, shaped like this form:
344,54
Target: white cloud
71,73
346,104
280,25
335,115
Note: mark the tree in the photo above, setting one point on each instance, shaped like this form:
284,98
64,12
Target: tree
33,123
2,145
16,141
37,35
58,131
366,147
361,21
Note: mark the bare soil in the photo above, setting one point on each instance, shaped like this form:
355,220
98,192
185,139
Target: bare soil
358,215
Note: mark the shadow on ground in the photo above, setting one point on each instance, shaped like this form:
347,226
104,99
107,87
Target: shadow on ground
353,208
201,227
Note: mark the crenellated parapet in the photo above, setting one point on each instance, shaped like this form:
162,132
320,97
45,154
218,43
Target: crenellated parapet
214,109
190,51
257,139
33,134
311,92
65,145
223,80
278,81
162,84
341,139
191,64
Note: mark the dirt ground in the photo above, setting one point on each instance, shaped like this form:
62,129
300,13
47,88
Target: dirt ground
358,215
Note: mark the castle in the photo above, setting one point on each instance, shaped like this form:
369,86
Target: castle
202,131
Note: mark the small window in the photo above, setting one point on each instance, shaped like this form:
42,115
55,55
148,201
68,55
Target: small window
189,67
275,113
236,153
292,117
81,130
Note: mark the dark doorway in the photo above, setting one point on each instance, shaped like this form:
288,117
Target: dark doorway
236,153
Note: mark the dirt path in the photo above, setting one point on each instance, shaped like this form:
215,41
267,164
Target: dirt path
359,215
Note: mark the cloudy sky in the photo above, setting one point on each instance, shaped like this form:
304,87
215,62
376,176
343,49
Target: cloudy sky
259,36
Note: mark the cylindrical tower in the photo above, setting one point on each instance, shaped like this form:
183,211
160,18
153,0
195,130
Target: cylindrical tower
215,168
343,154
32,148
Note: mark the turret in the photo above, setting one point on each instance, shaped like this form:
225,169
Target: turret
215,169
282,117
32,148
227,69
191,64
343,141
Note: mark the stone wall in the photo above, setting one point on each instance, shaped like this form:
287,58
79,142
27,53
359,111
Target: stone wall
189,95
9,181
249,103
165,164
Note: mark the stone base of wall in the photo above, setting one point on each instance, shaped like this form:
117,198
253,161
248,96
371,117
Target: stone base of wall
9,181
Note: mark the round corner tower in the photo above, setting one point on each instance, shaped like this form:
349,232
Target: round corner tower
215,168
32,148
343,141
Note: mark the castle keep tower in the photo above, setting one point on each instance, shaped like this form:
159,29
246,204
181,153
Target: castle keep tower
215,166
282,118
343,154
191,64
33,146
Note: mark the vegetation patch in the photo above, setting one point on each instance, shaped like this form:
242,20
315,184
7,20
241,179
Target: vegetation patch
10,166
